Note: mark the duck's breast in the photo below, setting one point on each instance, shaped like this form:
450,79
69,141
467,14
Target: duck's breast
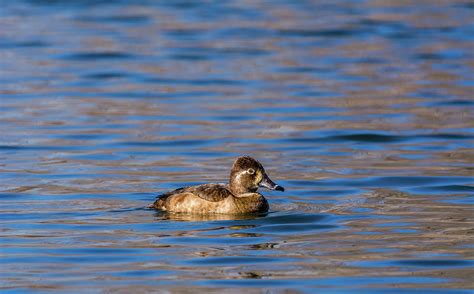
250,202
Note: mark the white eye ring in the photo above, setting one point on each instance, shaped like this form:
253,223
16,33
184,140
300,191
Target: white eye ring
251,171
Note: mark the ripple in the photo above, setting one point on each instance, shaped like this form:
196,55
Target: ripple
376,283
446,136
215,241
40,147
367,138
435,263
168,143
106,75
376,138
379,138
189,57
10,44
458,102
155,273
414,183
447,189
194,82
126,19
235,260
303,69
327,33
93,56
289,228
22,259
217,53
243,32
429,56
428,263
292,219
185,32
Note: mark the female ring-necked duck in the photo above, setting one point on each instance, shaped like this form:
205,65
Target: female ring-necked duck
239,196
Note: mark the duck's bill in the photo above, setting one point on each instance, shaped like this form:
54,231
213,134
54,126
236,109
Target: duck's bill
269,184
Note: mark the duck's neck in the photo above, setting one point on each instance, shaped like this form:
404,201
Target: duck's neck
237,188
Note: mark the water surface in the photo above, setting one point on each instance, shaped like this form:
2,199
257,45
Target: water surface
363,111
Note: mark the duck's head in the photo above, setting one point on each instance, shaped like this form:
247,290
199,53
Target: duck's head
247,175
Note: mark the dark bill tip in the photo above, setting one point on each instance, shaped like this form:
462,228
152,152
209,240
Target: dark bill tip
269,184
279,188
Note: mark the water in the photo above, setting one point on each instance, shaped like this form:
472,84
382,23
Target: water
363,111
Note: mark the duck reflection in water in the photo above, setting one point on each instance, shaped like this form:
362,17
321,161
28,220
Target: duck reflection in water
196,217
240,196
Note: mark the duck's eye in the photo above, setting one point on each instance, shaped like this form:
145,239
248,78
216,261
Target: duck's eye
251,171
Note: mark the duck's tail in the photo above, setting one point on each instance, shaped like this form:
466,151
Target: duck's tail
161,200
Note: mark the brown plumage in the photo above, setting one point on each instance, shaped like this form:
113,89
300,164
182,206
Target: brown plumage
239,196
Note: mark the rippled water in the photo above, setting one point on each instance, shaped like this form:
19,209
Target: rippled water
363,110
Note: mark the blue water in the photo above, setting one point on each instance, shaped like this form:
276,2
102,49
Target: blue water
362,110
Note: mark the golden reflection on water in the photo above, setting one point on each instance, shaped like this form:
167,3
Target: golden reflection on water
207,217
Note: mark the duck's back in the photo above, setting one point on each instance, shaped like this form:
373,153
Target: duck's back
193,199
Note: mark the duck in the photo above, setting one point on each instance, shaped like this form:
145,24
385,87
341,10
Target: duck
239,196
